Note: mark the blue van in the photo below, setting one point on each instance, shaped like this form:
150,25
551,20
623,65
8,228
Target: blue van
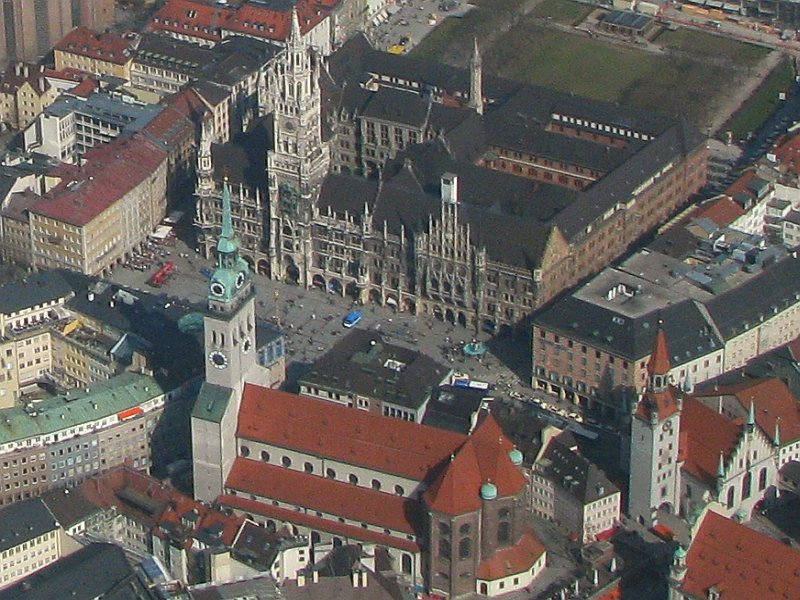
352,318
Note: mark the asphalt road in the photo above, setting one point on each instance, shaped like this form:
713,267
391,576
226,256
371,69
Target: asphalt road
412,21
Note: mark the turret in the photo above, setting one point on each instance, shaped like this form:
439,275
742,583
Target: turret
751,418
721,471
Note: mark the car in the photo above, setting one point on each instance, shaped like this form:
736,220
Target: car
403,23
352,319
403,40
207,272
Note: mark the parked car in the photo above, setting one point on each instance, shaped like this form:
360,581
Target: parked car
207,272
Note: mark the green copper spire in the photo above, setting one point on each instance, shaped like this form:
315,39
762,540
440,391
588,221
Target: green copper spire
721,467
227,243
776,440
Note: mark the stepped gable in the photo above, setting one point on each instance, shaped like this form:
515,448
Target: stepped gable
324,429
704,434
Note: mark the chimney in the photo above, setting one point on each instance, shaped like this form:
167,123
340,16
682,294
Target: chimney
355,578
449,189
364,578
315,576
301,579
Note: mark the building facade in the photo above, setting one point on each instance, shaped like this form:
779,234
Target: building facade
24,93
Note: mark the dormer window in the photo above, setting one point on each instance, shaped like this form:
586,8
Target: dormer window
192,13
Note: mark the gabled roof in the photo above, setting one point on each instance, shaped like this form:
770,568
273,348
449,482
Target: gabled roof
108,47
740,563
482,459
722,211
705,434
196,19
317,493
37,288
774,402
512,560
23,521
354,437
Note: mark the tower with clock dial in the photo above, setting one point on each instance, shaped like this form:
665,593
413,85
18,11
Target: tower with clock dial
655,467
298,159
230,361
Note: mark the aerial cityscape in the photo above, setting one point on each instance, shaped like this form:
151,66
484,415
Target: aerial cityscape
399,299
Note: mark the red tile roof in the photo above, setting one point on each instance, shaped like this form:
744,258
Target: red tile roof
659,363
788,153
108,47
67,74
356,437
482,459
773,401
196,19
743,564
111,171
740,185
17,73
515,559
314,522
190,18
318,493
707,433
722,211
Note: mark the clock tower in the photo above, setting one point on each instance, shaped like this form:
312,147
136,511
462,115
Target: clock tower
230,361
655,470
298,160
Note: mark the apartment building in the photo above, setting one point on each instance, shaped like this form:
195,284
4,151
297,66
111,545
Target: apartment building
24,93
65,439
100,212
97,53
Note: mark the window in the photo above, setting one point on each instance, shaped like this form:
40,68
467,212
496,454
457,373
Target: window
465,548
746,484
730,497
762,479
308,467
444,529
286,461
265,456
376,485
352,478
444,548
398,489
245,451
503,532
330,474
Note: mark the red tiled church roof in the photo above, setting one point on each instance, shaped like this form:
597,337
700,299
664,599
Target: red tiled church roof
706,433
313,522
482,459
318,493
324,429
741,563
664,402
510,561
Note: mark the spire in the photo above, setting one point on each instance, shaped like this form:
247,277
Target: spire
227,244
688,384
658,367
476,79
721,466
227,220
295,36
776,439
751,416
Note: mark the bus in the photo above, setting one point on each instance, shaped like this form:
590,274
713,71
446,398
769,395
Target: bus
352,318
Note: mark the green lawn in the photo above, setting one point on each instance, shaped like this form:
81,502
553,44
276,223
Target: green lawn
702,44
757,109
566,12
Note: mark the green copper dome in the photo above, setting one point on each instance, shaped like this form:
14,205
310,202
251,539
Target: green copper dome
516,457
680,552
488,491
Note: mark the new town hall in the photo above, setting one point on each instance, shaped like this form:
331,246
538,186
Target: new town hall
430,189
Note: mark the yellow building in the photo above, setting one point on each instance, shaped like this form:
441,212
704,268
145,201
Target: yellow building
102,211
24,93
98,53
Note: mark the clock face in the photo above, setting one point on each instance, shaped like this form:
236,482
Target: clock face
288,126
246,344
239,280
217,288
218,359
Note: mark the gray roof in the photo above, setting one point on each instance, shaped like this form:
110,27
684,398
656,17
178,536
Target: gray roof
37,288
364,364
452,408
575,474
23,521
758,299
211,402
68,505
94,571
243,159
108,108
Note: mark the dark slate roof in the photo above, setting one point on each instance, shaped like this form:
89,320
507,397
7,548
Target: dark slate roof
68,506
342,193
24,521
397,106
453,408
37,288
574,473
176,55
758,299
243,160
523,426
236,58
357,364
689,333
94,571
212,93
